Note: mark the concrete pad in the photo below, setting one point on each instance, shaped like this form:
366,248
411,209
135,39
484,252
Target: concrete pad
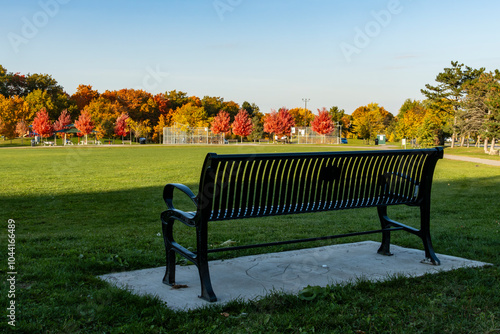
250,277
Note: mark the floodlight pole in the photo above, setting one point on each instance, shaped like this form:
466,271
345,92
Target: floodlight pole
305,102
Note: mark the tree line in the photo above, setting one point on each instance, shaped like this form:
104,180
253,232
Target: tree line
463,105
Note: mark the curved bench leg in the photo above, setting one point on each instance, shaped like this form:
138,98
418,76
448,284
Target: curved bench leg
207,292
385,247
430,255
167,227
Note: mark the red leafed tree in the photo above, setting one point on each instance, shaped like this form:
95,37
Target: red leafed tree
63,120
323,123
270,122
242,125
279,123
41,124
221,123
121,127
84,124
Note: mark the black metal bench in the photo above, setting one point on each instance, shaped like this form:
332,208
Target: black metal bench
257,185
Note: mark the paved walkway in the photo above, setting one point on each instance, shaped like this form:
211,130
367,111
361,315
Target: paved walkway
476,160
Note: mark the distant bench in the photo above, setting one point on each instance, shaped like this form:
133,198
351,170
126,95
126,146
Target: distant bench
243,186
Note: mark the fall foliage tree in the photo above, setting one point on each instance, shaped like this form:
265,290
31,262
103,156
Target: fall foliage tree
140,129
221,123
163,108
280,123
242,125
409,119
42,125
63,120
21,129
11,112
190,116
370,120
121,127
232,108
36,101
302,116
323,124
158,129
212,105
271,122
84,124
84,95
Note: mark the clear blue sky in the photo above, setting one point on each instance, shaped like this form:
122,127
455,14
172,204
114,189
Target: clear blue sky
272,53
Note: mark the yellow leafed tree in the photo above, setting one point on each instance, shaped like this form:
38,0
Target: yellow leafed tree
190,116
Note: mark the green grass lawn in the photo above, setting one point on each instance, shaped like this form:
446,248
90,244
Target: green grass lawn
85,211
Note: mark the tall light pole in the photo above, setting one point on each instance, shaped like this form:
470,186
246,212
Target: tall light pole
305,102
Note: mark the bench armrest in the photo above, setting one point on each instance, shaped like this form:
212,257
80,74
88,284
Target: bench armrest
168,194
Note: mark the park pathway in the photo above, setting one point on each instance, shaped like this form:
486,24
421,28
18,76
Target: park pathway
476,160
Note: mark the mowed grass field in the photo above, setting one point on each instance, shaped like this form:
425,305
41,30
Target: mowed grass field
80,212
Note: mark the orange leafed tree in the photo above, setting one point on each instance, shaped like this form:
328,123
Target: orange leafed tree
242,125
279,123
84,95
41,124
84,124
323,124
221,123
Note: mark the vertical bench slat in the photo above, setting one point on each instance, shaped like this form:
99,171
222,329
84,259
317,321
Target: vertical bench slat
294,186
327,178
262,184
290,184
416,175
237,188
270,178
335,187
409,185
404,180
219,168
357,194
365,179
349,182
317,185
389,166
378,196
306,194
226,187
245,189
279,186
255,187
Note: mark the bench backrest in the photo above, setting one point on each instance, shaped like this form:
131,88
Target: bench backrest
255,185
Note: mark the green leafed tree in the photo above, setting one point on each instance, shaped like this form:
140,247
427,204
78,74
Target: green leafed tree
451,88
258,129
